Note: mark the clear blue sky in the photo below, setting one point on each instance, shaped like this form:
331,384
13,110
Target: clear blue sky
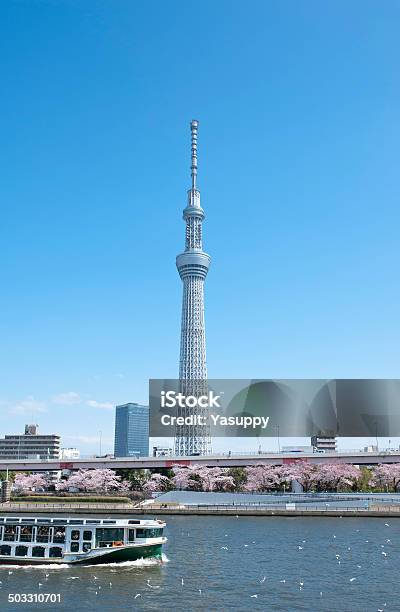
299,136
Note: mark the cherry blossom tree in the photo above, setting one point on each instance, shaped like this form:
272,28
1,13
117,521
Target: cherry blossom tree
186,477
203,478
386,476
30,482
98,481
260,478
157,482
215,479
337,476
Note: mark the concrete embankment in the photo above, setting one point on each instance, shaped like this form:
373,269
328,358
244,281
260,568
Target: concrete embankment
9,509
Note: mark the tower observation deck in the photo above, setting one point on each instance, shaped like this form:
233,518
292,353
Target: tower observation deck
193,266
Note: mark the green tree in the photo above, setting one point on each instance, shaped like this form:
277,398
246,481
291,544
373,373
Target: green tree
11,476
136,478
239,476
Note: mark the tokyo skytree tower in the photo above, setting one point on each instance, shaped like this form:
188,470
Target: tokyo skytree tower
193,264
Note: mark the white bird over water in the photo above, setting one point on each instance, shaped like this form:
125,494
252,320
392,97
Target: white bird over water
387,525
137,595
263,579
153,586
253,595
352,579
224,548
300,547
384,554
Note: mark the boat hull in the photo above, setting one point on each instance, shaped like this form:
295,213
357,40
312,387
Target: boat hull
120,554
113,555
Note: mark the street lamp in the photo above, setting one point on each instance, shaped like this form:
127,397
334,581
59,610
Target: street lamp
279,442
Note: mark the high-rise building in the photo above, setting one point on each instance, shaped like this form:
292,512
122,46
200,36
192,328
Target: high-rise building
131,431
30,445
193,266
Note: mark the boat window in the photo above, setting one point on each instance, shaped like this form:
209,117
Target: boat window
43,520
25,533
109,536
109,522
73,522
38,551
148,533
75,534
21,551
59,535
27,520
92,522
131,537
86,546
5,550
134,522
55,551
9,533
42,534
1,520
74,546
87,535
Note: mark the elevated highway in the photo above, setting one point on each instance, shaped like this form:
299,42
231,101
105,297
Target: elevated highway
356,458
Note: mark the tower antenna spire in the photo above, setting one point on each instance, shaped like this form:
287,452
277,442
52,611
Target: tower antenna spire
194,124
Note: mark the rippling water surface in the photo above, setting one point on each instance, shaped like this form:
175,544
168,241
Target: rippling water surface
221,563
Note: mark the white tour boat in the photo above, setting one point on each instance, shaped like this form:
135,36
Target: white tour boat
28,540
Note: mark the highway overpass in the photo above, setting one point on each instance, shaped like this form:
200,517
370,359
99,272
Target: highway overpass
355,458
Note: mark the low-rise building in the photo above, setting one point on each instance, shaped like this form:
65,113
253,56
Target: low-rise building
326,443
30,445
162,451
70,453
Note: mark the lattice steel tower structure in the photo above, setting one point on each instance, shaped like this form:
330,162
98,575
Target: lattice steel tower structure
193,266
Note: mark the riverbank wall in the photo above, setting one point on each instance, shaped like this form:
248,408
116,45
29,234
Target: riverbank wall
9,509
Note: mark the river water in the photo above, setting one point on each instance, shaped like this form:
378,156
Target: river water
228,563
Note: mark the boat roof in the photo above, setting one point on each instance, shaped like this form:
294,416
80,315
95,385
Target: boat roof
120,522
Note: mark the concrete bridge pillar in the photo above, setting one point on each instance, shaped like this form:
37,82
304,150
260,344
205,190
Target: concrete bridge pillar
5,491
